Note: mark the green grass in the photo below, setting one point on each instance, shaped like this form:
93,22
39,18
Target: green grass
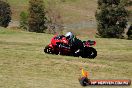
23,64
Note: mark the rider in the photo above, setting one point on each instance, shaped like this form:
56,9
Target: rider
74,42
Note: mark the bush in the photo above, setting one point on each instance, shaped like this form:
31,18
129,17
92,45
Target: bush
24,21
5,14
129,32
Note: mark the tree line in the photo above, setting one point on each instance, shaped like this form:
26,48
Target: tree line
111,17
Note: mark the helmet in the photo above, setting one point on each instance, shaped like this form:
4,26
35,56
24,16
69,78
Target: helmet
69,35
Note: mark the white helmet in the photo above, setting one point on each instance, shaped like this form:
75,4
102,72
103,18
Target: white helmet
69,35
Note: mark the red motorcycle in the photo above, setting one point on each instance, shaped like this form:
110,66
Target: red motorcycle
59,45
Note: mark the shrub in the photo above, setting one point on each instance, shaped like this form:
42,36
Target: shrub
129,32
24,20
5,14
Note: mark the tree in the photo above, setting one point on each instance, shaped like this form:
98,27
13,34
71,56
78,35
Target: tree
111,18
129,32
5,14
37,16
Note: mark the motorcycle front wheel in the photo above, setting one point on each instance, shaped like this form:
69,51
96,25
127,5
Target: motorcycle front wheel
48,50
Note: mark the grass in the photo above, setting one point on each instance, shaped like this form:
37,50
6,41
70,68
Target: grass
23,64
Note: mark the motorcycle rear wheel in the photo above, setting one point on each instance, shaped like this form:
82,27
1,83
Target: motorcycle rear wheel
89,52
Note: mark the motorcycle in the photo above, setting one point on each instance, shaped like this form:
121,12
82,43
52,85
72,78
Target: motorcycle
59,45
